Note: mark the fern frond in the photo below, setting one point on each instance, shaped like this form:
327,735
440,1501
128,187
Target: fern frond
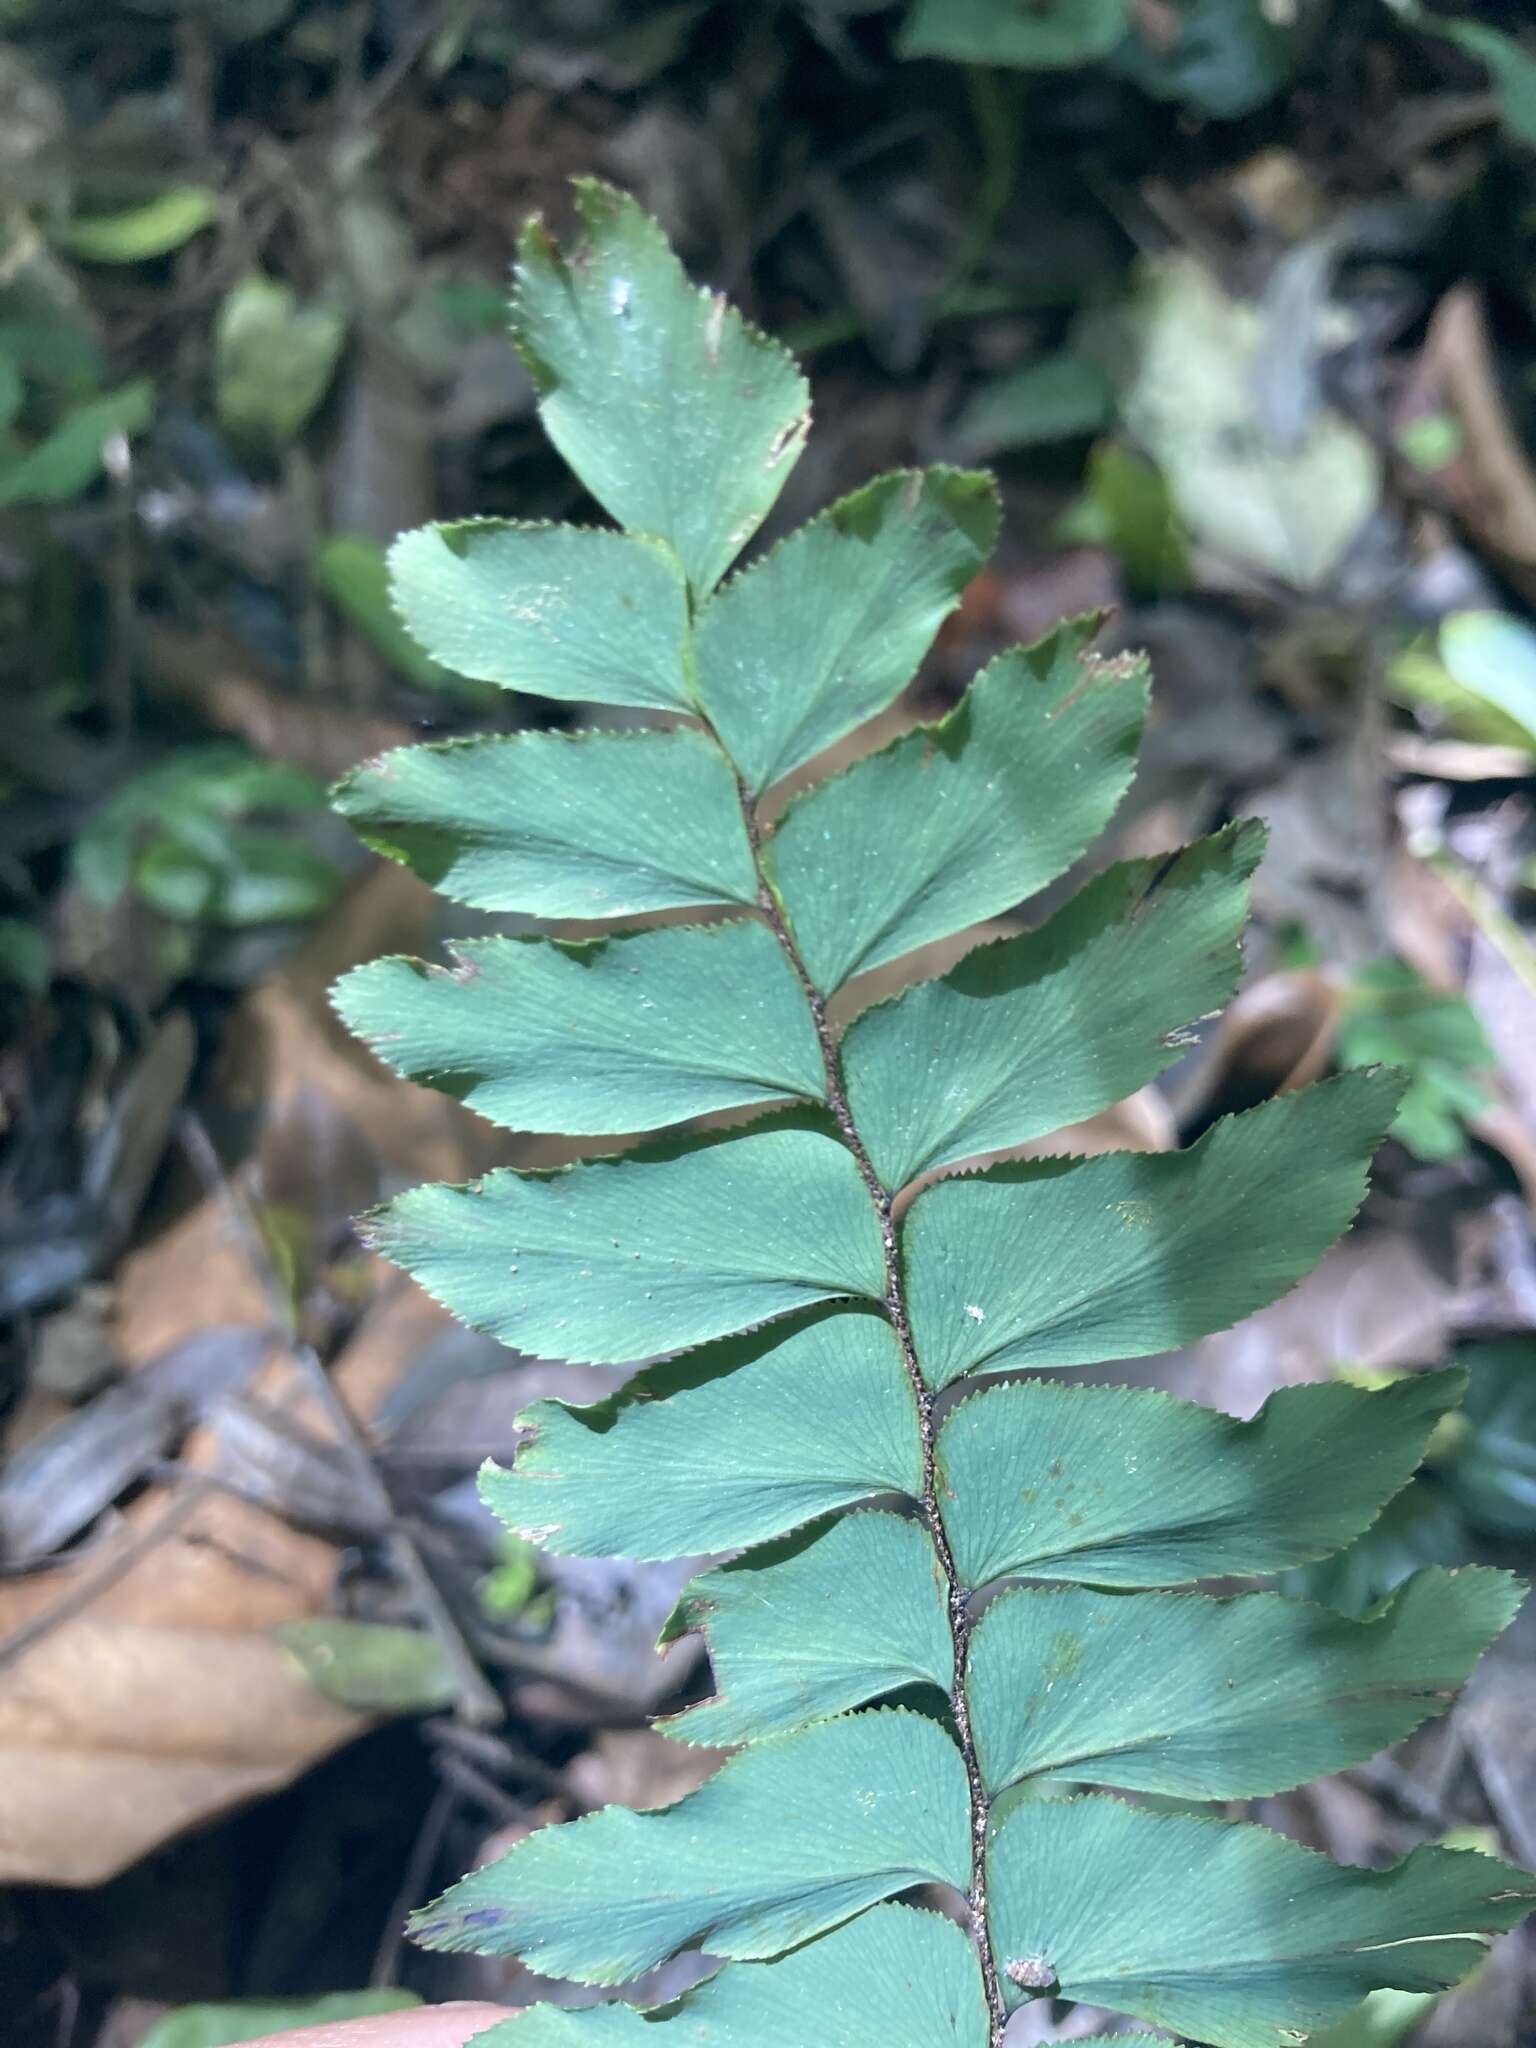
827,1289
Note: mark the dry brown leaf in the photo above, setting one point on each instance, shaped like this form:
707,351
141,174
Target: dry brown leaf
162,1702
140,1689
639,1767
200,1725
213,673
1277,1035
1490,482
1375,1301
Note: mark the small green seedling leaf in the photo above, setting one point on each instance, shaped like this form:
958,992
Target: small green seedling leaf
140,232
1049,37
374,1666
273,362
68,460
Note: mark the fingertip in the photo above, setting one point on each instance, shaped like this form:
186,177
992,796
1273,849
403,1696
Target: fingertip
422,2026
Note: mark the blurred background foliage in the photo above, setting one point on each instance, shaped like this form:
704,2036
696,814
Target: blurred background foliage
1239,299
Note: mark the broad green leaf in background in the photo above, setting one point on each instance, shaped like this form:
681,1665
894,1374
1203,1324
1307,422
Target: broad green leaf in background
1420,1526
233,877
1384,2019
1289,511
557,611
1480,678
174,834
1493,1473
12,386
1225,59
829,627
193,796
1132,1253
68,460
1029,1034
601,1262
786,1841
140,232
1231,1934
1391,1015
1189,1494
1511,66
1053,398
1195,1698
802,1630
1127,507
353,572
728,1446
893,1978
52,347
273,360
960,820
593,825
376,1667
1046,37
680,419
226,2025
615,1035
26,959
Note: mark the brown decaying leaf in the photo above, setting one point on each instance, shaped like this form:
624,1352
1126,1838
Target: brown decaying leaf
1490,482
214,674
141,1691
1277,1035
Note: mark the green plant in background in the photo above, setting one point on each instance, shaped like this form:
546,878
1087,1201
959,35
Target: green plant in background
1477,677
1390,1015
56,417
834,1301
185,835
1478,1486
1221,59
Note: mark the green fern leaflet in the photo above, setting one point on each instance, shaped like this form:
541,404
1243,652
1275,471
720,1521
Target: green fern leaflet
833,1285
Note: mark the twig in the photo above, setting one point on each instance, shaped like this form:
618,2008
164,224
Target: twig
87,1591
418,1872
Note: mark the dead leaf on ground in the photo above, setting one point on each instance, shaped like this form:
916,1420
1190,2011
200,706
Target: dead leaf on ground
639,1767
143,1691
1278,1034
214,674
1376,1302
1489,480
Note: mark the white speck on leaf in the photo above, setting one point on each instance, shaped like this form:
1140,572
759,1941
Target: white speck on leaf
977,1315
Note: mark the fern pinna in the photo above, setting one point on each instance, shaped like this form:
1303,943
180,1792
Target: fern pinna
848,1323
